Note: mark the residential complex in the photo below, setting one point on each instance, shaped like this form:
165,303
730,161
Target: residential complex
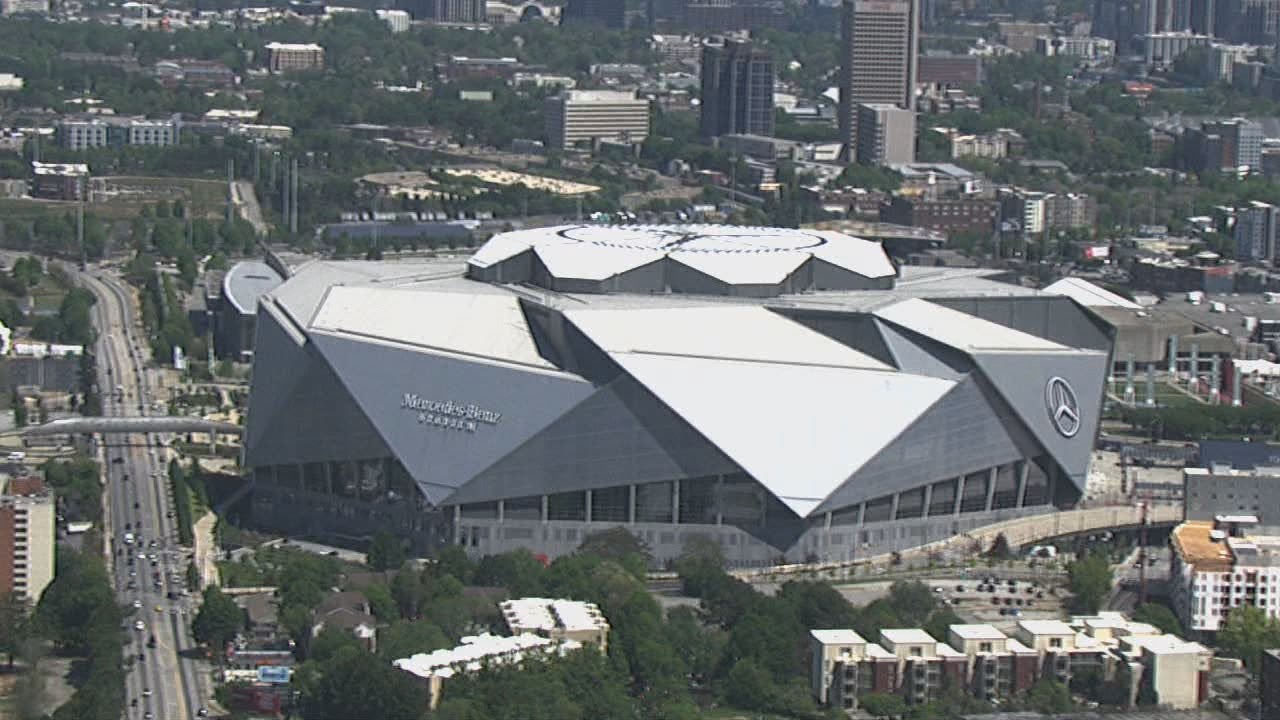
81,133
557,620
591,116
992,666
1223,564
287,57
27,534
737,89
60,181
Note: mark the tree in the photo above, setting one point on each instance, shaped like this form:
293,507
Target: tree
1090,582
19,410
14,627
218,621
620,545
1247,632
404,638
1049,697
883,704
386,551
381,604
912,601
353,685
1159,616
750,687
1000,548
939,623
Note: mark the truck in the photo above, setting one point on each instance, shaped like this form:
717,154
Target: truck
1195,297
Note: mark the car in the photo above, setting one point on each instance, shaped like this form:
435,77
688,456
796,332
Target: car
995,601
959,588
146,692
148,715
142,657
937,589
117,461
137,604
133,573
128,526
133,585
137,505
151,641
169,514
202,712
139,625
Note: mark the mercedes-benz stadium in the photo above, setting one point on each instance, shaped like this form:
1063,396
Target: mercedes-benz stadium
789,394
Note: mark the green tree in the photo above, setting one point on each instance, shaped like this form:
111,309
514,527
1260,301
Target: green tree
912,601
883,705
353,685
1049,697
381,604
1159,616
1000,548
1089,580
386,551
218,620
621,546
19,410
750,687
14,625
404,638
1247,632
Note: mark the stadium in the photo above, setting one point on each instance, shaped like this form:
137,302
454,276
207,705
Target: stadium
789,394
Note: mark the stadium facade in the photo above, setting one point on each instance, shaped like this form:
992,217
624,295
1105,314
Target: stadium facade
786,393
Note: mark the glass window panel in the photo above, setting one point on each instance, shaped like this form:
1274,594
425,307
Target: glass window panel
611,504
288,476
697,501
975,492
910,504
401,484
1037,482
846,516
342,476
372,479
480,511
315,478
653,502
1006,486
523,508
878,510
942,500
567,506
742,501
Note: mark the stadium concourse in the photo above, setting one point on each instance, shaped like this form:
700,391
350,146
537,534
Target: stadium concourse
789,394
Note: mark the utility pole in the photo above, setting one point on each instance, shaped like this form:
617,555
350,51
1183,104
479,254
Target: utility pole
284,194
84,254
293,193
231,190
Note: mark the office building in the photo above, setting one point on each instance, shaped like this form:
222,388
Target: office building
1071,211
1157,16
1222,59
944,214
24,7
1222,564
59,181
81,133
1254,232
568,380
737,89
1161,49
1221,489
290,57
27,535
938,68
879,51
1077,46
588,116
227,309
992,666
463,12
396,20
611,14
712,17
886,134
991,146
558,620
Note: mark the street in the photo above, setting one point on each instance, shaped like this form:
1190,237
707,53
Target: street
147,564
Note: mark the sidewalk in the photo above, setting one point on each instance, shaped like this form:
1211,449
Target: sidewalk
206,550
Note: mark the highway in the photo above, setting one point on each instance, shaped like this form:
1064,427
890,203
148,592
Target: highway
148,566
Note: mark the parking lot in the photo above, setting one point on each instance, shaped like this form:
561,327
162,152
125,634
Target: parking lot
999,602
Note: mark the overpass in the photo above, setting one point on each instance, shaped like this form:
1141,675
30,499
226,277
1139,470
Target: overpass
128,424
1019,532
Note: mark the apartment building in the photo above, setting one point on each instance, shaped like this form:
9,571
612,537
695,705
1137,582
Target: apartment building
557,620
434,668
994,666
288,57
1220,565
886,134
81,133
27,533
587,116
59,181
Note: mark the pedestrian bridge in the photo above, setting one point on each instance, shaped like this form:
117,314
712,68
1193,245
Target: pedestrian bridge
140,424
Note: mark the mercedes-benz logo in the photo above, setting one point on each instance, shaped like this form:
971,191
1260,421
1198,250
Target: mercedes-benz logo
1064,409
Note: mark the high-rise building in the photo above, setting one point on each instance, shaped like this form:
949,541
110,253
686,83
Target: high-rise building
1255,231
886,134
26,538
577,116
737,89
879,51
608,13
447,11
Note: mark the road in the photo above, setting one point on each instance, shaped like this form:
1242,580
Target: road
148,568
246,202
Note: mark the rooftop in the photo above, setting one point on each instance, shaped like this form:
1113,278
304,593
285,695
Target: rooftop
246,281
475,652
977,632
1046,627
1192,543
905,636
533,613
837,637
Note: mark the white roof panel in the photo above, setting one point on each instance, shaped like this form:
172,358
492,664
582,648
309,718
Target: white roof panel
861,256
490,326
961,330
744,332
837,637
500,247
977,631
592,262
902,636
745,409
744,268
1090,295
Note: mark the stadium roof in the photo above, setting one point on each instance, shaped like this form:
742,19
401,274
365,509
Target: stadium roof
1090,295
246,281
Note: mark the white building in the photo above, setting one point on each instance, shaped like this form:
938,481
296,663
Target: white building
397,20
577,116
474,654
1220,565
103,131
1081,46
1161,49
1222,58
10,82
27,534
286,57
557,620
24,7
886,134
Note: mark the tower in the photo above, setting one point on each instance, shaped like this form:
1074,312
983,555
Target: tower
879,51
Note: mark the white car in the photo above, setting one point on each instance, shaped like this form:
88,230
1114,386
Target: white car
137,605
139,625
146,692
